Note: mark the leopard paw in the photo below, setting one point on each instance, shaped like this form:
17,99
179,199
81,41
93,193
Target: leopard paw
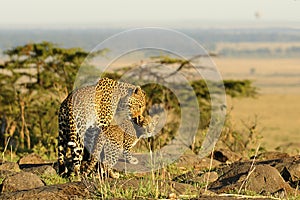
133,160
112,174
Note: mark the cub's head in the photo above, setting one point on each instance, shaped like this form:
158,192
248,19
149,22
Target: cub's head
137,103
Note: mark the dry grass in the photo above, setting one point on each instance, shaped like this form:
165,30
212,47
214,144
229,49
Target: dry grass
277,107
278,117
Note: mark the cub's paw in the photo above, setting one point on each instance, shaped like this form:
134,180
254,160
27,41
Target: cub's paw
133,160
113,174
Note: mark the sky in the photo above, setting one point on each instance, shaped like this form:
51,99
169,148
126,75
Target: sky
113,12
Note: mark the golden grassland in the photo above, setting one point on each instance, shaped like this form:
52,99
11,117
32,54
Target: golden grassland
277,107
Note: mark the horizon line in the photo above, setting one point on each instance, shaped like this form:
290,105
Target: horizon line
206,24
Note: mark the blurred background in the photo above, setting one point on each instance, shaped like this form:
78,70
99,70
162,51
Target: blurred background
252,40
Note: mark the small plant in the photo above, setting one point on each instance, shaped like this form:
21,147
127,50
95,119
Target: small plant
53,179
245,140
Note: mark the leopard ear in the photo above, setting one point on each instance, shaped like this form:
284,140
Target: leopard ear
137,90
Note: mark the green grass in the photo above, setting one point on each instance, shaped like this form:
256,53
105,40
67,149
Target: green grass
155,185
145,189
53,179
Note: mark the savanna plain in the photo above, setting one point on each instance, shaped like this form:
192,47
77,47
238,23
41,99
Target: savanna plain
276,107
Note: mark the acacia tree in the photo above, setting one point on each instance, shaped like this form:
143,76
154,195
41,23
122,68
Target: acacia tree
34,80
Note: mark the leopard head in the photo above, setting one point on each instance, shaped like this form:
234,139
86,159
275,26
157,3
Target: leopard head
137,103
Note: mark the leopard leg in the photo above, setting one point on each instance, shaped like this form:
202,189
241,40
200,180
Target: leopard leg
95,155
111,156
62,141
62,147
128,155
75,142
130,140
76,152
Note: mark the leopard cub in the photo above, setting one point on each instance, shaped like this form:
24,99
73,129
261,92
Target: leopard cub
115,140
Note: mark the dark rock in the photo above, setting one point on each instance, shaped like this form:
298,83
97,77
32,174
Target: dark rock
31,159
280,163
21,181
262,179
9,166
206,177
75,190
294,170
193,177
225,155
291,173
194,161
41,170
181,188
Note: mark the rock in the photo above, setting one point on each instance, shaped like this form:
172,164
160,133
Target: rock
41,170
193,177
283,164
294,170
75,190
6,173
188,160
8,169
271,155
205,163
225,155
194,161
266,179
291,173
9,166
182,188
30,159
262,179
21,181
206,177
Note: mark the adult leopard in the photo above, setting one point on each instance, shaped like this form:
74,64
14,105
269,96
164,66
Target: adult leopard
87,111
